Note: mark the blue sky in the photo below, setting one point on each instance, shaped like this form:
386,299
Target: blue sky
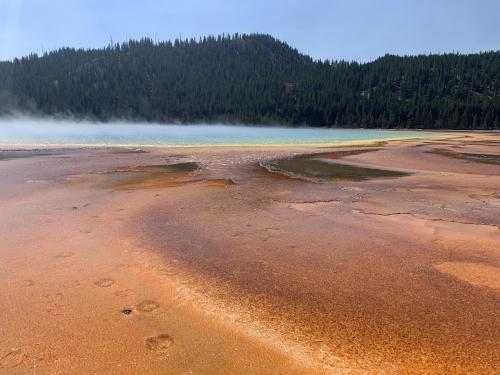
337,29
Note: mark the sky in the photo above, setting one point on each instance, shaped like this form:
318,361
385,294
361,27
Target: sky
359,30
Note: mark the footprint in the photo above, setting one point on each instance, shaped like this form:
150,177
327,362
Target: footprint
147,306
65,254
104,283
159,343
12,359
27,283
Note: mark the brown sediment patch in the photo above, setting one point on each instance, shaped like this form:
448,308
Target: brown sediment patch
183,167
159,343
147,306
363,145
158,183
153,177
13,359
129,151
344,153
21,154
215,182
474,157
153,174
104,283
158,169
315,167
474,273
487,143
491,199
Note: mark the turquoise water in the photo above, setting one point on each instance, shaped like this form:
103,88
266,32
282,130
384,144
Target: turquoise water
42,132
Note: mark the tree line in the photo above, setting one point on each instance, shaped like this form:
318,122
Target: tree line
254,79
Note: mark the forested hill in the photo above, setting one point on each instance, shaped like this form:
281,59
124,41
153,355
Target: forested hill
254,79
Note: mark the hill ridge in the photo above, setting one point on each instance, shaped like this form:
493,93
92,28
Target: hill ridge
254,79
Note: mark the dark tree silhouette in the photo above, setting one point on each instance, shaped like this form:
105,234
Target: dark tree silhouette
254,79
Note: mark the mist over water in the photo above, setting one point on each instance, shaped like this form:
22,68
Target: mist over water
44,132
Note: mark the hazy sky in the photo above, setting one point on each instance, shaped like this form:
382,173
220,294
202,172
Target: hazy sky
335,29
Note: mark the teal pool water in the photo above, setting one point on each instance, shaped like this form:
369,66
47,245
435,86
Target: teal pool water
41,132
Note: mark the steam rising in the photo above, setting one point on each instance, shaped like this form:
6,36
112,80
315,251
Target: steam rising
30,131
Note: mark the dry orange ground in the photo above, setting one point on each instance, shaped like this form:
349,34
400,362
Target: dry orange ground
231,269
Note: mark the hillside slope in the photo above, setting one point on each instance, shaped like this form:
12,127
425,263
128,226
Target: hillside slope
254,79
